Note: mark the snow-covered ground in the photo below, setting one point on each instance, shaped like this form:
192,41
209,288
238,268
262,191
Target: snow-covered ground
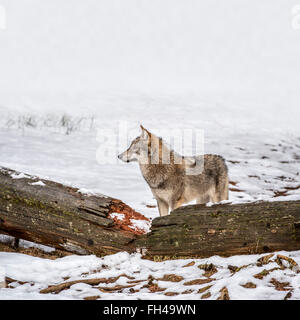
125,276
262,148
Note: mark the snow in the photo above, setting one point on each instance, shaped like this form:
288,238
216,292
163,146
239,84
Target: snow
38,183
24,243
262,156
140,224
119,216
256,169
36,274
19,176
2,277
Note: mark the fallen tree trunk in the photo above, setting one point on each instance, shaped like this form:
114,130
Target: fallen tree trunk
52,214
59,216
201,231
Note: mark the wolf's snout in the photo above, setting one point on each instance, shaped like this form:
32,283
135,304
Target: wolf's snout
122,158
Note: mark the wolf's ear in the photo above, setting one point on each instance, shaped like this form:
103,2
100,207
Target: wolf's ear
145,132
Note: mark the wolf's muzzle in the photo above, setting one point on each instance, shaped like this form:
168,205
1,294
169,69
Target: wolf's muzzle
120,157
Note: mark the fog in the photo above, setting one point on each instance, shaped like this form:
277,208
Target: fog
244,50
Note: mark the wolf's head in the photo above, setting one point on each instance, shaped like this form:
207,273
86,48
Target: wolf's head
150,149
138,149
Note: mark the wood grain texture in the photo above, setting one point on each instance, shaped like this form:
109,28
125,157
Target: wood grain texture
59,216
201,231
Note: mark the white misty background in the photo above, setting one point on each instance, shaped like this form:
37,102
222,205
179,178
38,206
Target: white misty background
244,50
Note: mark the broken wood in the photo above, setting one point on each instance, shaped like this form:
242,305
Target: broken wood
59,216
224,294
93,281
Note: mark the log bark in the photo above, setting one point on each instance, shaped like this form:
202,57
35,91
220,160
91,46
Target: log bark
61,217
201,231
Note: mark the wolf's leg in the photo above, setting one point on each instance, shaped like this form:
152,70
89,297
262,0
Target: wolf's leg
214,195
163,207
225,191
222,191
176,204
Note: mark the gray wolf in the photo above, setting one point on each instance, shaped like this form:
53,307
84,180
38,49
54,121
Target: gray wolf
169,182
